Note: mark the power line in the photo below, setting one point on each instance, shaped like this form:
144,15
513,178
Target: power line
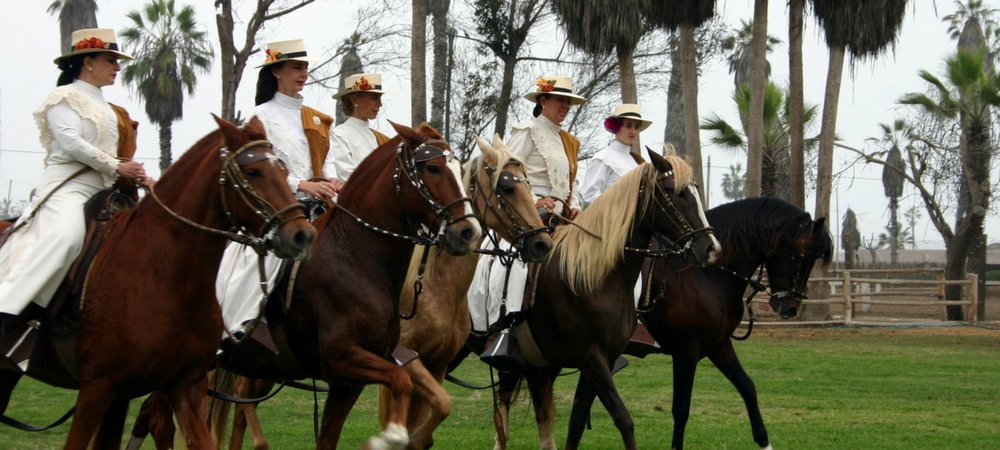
36,152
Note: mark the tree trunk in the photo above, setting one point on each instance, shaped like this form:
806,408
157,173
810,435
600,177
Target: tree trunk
165,136
674,130
629,95
689,92
75,15
439,81
506,87
230,80
824,177
796,173
755,134
418,64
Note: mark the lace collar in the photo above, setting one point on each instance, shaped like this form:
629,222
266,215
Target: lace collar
617,157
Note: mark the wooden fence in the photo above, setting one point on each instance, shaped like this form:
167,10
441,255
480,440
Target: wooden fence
881,297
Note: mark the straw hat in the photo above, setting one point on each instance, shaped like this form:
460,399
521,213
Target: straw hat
94,40
362,82
290,50
556,86
630,111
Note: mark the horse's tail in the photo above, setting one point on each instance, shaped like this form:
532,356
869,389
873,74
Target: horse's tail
217,410
384,405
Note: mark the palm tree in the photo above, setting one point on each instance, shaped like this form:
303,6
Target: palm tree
967,95
966,24
912,214
739,44
418,63
600,27
73,15
850,239
686,15
796,97
775,135
350,64
864,29
892,180
755,146
733,182
438,9
169,48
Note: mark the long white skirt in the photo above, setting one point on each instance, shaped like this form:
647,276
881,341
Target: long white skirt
237,285
37,257
486,291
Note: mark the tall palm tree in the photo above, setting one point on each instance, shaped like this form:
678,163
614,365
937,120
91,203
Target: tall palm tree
892,181
418,63
686,15
850,239
796,98
864,29
350,64
755,147
966,24
170,48
73,15
733,182
600,27
441,30
912,215
968,94
775,135
739,58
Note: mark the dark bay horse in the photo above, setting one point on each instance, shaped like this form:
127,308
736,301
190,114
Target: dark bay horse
583,310
342,321
502,199
701,306
149,319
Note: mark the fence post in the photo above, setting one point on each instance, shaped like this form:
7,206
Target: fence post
847,289
973,297
980,308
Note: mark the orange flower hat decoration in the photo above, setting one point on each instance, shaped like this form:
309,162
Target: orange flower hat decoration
92,42
545,85
273,56
363,85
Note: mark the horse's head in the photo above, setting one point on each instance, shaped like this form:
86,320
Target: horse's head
430,189
789,266
678,213
255,192
502,198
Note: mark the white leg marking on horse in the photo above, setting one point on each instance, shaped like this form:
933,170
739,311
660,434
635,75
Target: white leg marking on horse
393,437
767,448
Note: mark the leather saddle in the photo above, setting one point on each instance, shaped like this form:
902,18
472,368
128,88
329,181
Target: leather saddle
48,335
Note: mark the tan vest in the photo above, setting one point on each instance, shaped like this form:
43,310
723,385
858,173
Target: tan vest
380,138
571,145
126,148
318,136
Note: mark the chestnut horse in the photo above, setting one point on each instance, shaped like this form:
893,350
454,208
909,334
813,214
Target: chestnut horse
502,199
583,310
701,306
342,321
149,319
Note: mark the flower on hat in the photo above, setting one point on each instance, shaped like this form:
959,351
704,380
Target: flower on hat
274,56
363,85
93,42
545,85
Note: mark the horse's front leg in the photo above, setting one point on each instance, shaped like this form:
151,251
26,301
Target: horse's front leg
540,381
598,374
684,369
188,402
432,398
729,364
362,367
583,401
92,403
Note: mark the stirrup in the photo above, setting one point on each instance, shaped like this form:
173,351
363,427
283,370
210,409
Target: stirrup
504,354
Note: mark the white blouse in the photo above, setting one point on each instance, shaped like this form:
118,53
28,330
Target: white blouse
282,119
608,166
76,124
351,142
538,143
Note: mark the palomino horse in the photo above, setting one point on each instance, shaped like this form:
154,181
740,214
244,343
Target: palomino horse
149,320
700,307
583,310
440,324
342,320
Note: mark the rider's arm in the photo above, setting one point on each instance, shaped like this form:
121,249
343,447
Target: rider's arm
66,126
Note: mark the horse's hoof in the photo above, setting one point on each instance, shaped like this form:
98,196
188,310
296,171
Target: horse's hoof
393,437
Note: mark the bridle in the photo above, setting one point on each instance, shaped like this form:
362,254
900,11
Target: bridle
666,206
408,167
519,233
233,163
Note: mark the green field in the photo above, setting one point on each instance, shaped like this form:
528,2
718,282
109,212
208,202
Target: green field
925,388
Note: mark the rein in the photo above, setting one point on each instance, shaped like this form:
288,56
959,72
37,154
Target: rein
760,287
506,180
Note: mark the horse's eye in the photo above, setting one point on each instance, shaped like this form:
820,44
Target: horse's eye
253,173
433,170
506,190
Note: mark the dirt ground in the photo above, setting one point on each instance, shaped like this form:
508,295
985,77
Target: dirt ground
783,332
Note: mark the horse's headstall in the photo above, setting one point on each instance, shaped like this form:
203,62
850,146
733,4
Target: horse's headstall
244,156
666,180
509,180
428,151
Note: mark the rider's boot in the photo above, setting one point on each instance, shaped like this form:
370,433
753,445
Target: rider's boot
502,351
17,336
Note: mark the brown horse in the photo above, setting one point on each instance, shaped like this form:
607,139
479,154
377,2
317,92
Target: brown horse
149,319
342,321
502,199
701,307
437,331
583,309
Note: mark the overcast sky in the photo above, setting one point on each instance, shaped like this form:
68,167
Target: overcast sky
867,98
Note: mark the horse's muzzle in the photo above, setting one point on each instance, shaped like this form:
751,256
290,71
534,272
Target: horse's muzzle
294,240
460,238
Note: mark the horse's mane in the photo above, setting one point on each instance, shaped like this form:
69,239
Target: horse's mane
585,260
751,225
503,158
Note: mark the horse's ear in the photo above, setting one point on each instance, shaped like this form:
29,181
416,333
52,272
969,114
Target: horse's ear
406,132
658,161
230,133
819,226
489,153
499,144
427,130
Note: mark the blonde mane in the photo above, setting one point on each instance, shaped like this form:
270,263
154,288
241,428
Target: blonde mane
504,157
585,260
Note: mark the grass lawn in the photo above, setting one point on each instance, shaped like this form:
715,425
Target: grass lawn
916,388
